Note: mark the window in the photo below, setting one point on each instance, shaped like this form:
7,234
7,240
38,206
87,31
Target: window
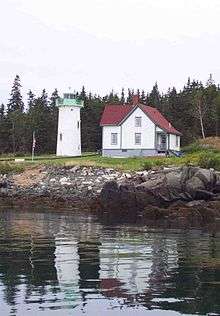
78,124
68,95
124,150
114,138
137,138
177,141
138,121
61,137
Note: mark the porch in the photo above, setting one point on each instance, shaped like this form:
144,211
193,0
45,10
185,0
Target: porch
161,142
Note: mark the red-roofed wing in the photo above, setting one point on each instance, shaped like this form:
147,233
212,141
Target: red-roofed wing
159,119
115,114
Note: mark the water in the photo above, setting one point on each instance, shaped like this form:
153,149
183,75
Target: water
72,264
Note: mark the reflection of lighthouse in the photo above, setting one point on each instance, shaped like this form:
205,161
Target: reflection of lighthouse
67,261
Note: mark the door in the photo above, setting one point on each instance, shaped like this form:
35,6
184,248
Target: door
161,142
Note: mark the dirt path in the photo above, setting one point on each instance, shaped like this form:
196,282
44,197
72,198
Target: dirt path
31,176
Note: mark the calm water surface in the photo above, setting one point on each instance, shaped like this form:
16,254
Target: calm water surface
72,264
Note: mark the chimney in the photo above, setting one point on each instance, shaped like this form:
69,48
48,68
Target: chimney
135,100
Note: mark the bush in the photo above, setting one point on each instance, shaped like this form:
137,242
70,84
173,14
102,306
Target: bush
147,165
209,160
194,148
6,167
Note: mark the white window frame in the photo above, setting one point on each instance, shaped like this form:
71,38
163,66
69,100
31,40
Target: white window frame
114,138
136,135
138,121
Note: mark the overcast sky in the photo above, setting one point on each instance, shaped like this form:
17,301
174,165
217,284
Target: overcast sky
107,44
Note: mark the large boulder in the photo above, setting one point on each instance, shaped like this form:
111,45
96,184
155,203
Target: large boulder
118,199
160,189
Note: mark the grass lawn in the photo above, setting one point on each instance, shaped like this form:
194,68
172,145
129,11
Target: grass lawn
205,158
205,153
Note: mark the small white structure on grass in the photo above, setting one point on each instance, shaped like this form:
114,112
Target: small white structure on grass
69,126
136,129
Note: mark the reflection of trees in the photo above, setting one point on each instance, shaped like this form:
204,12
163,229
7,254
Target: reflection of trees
193,280
159,269
43,276
135,267
89,266
27,259
14,263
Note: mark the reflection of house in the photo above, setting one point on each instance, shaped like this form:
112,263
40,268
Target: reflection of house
136,130
124,272
72,261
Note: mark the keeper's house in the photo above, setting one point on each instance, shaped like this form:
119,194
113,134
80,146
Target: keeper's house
136,129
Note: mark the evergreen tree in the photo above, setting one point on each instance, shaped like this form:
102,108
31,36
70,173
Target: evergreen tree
188,110
53,98
130,96
216,114
154,98
53,121
44,99
143,97
122,100
210,81
15,102
30,100
83,94
16,119
2,112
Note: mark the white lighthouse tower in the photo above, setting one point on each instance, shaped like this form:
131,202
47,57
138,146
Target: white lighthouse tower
69,126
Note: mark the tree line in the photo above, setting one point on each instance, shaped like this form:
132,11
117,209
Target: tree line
194,110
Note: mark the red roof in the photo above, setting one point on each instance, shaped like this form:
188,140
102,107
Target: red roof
115,114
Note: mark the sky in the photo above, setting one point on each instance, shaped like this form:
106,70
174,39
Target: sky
107,44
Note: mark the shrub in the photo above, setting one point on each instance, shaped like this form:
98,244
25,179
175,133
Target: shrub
209,160
147,165
6,167
194,148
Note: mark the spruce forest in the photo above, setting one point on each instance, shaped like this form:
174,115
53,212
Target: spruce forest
194,110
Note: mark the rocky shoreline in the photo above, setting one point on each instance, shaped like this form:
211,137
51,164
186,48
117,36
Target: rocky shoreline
174,197
73,187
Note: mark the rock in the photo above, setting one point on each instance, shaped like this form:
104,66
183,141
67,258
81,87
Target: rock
194,184
64,180
127,175
162,189
110,197
204,194
195,203
3,190
4,184
140,173
74,169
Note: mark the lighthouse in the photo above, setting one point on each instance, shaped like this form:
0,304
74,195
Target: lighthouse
69,126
